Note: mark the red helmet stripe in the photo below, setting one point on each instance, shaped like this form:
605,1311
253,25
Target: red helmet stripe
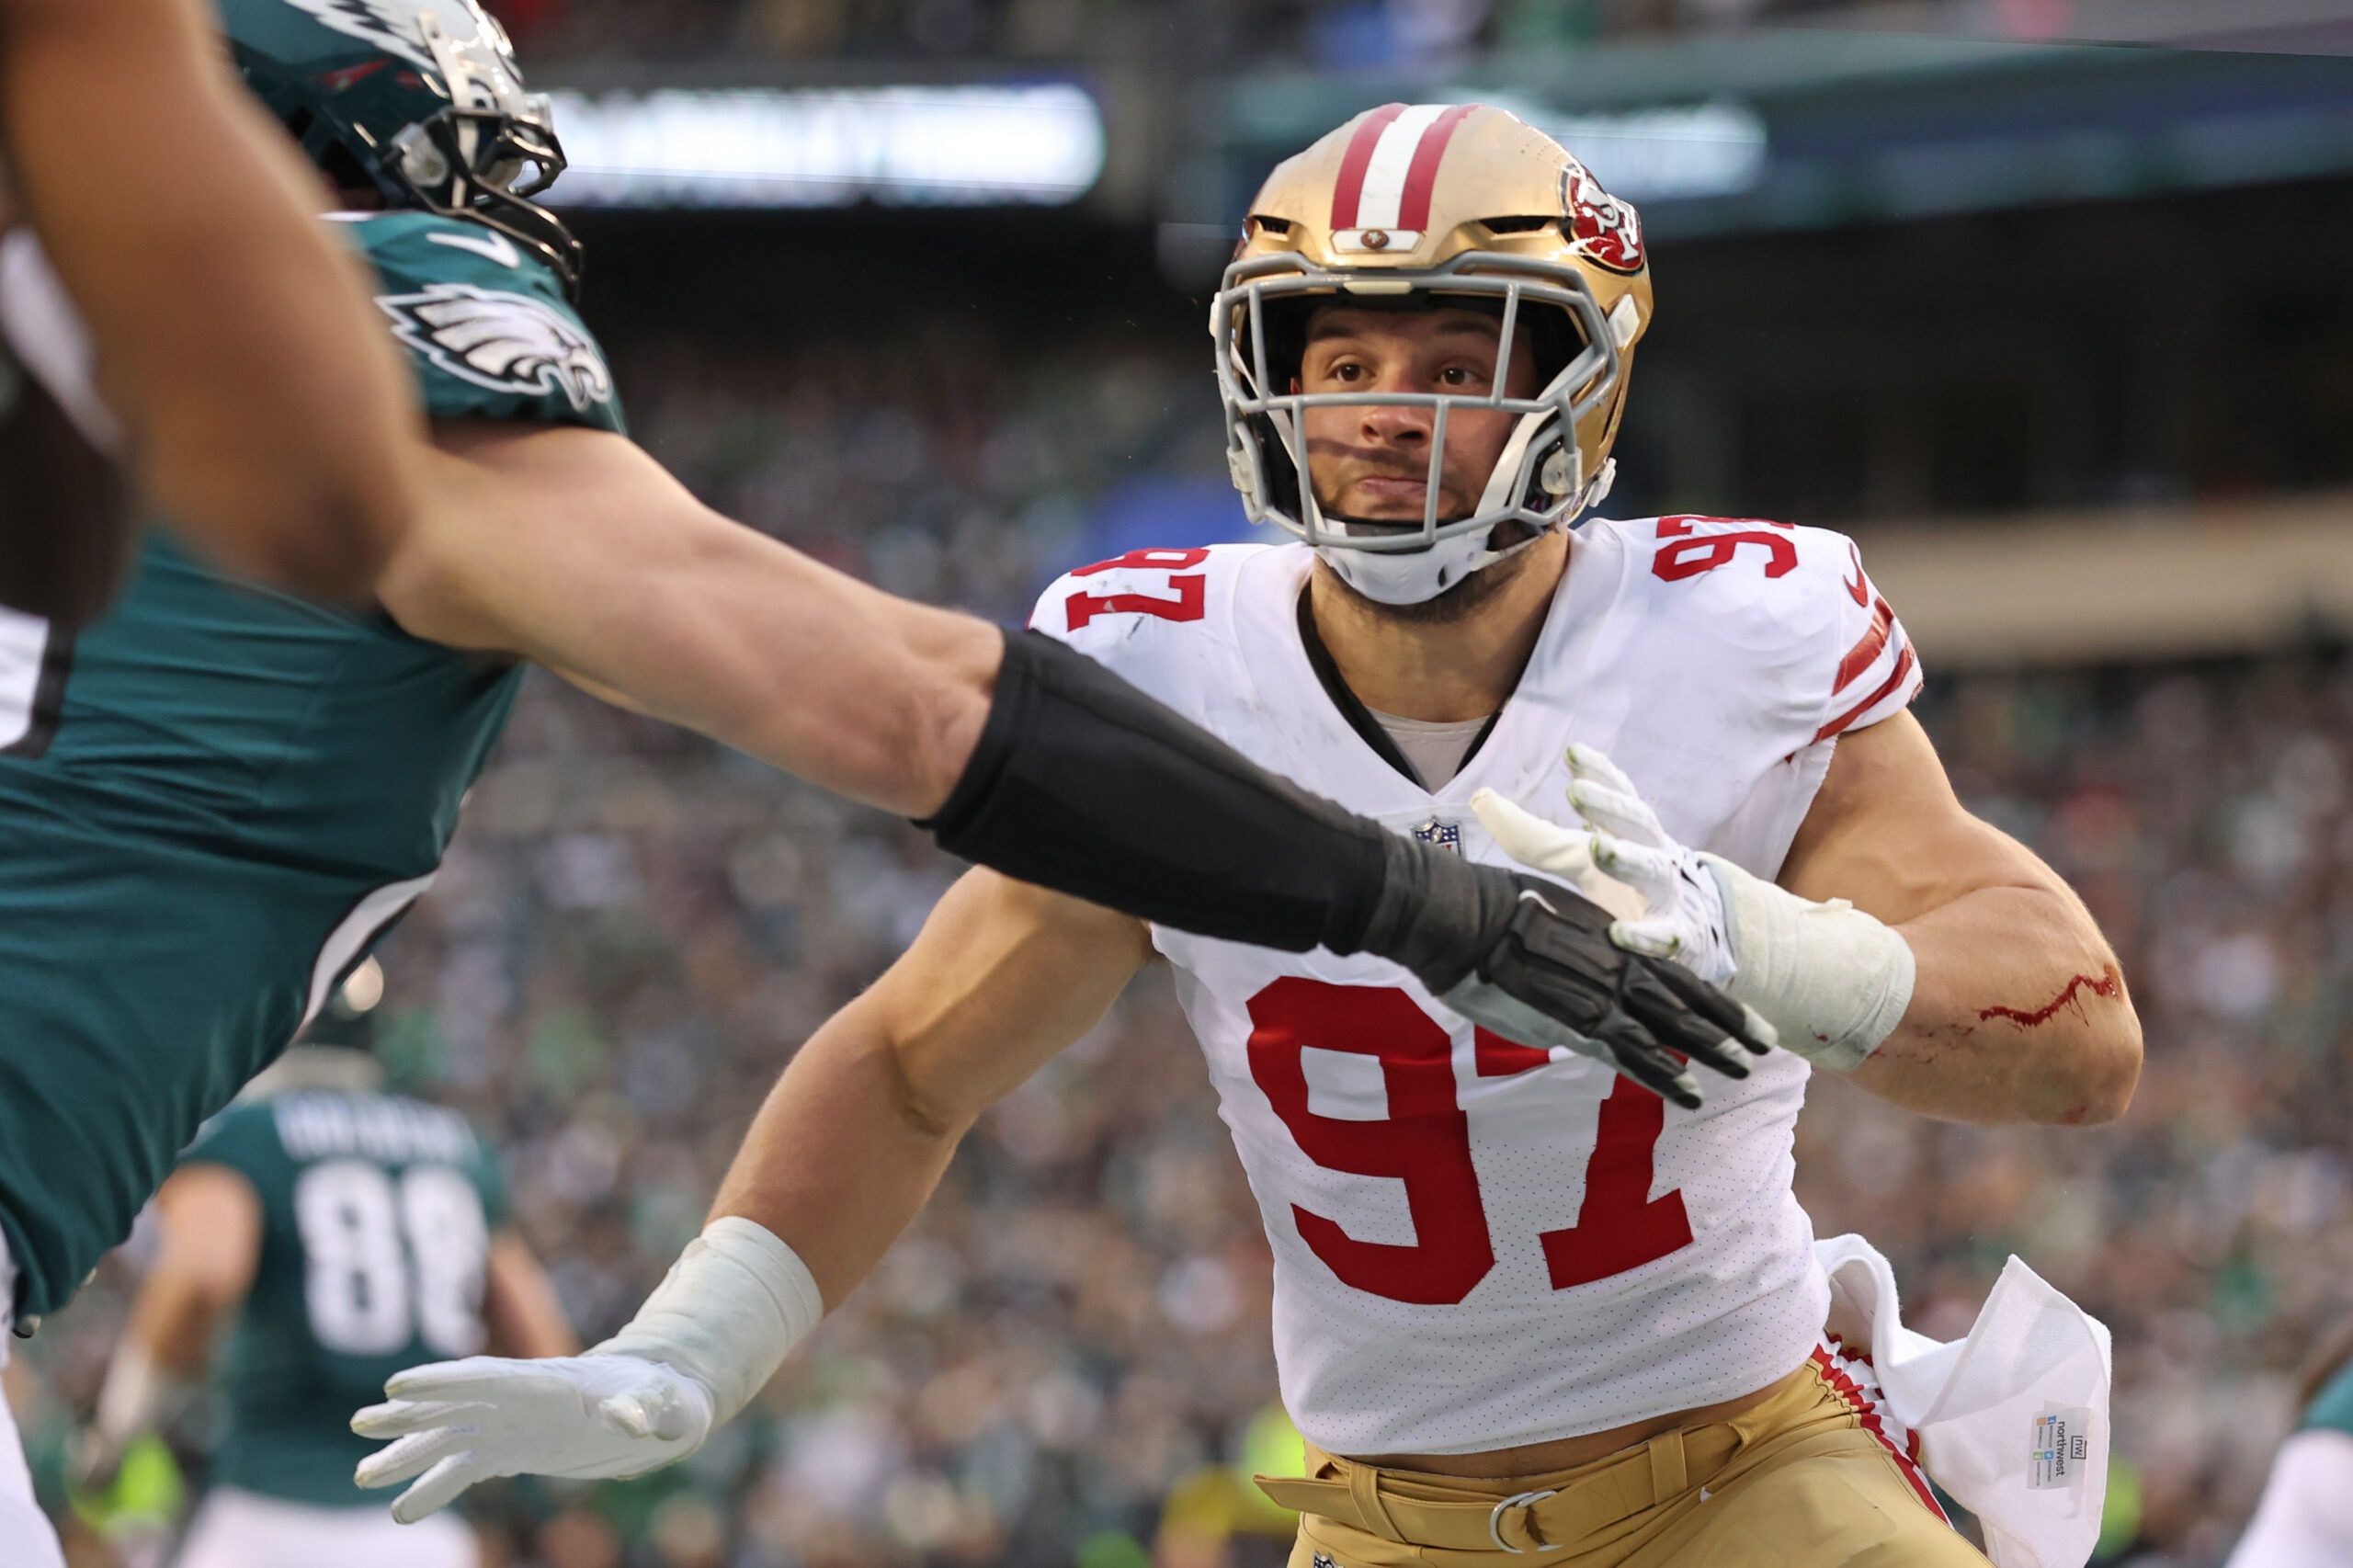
1350,190
1421,176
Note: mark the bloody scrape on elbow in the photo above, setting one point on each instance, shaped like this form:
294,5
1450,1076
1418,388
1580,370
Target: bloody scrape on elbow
2107,984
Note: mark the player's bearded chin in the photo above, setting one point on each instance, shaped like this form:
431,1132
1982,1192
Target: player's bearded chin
1464,599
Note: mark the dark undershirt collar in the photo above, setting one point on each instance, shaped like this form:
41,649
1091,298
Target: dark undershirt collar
1368,728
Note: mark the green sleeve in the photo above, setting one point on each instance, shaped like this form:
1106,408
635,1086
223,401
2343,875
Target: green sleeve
243,1138
2332,1408
486,324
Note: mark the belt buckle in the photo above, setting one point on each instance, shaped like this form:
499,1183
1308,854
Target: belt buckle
1517,1499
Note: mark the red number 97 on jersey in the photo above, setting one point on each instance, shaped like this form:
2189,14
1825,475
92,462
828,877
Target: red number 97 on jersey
1188,604
1425,1144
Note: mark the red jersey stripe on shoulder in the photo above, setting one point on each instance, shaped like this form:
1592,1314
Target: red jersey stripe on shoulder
1858,586
1421,174
1867,1415
1867,649
1353,164
1840,724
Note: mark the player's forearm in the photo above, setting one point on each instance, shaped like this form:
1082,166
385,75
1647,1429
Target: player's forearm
304,475
1979,995
166,1345
832,1171
576,550
840,1159
2018,1013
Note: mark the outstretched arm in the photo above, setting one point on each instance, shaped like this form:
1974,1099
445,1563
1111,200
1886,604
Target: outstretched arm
267,409
841,1156
574,548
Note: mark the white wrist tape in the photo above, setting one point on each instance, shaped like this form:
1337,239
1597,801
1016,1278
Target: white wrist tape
1832,979
727,1314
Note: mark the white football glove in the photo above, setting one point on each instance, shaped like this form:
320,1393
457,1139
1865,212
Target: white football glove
723,1319
1831,980
582,1417
1681,904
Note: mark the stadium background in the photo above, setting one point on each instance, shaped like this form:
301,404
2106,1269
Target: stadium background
2060,328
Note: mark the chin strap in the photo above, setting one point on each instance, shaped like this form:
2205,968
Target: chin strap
1412,577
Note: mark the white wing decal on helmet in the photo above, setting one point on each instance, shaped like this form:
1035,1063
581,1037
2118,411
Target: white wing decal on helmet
374,23
509,343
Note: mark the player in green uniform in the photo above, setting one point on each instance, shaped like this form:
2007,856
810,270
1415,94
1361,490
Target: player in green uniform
2305,1519
288,775
339,1233
217,796
215,799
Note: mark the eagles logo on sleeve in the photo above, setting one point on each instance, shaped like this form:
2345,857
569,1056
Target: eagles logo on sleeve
505,342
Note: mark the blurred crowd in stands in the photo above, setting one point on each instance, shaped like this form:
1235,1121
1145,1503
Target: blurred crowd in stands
1327,33
1068,1361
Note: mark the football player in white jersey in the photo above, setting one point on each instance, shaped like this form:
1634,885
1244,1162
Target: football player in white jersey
1524,1307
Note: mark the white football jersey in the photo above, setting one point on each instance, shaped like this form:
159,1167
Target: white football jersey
1475,1248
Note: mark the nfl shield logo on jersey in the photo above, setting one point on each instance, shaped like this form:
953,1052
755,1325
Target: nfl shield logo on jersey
1445,835
1323,1560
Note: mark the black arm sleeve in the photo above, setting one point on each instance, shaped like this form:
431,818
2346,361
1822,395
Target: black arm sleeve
1082,784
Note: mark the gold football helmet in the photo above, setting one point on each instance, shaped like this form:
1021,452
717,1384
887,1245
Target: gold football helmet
1458,204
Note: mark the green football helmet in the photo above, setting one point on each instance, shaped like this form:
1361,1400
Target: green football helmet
419,100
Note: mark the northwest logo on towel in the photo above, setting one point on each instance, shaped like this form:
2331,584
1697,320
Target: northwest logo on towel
2062,1446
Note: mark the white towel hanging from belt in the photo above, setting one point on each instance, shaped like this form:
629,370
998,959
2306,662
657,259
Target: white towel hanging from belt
2012,1420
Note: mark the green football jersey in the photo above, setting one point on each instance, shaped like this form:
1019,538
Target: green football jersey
2332,1408
377,1215
217,797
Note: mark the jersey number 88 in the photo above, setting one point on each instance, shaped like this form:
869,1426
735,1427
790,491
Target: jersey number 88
390,1258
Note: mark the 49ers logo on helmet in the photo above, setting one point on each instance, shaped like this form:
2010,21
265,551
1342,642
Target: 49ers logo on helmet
1605,230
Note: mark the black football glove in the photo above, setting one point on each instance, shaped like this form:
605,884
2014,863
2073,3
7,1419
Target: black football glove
1532,960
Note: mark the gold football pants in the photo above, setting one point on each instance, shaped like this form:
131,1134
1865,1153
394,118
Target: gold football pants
1804,1480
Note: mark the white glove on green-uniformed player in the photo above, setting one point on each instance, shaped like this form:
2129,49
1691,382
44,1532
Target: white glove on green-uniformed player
1832,981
